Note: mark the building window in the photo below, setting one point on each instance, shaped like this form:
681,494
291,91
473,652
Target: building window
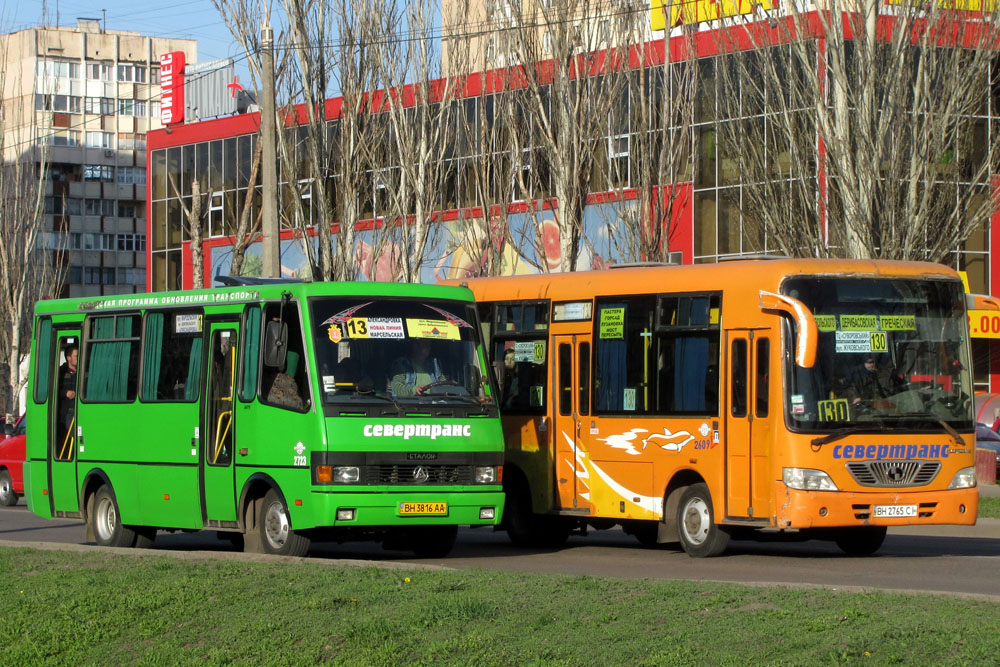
154,109
104,106
99,140
154,75
65,138
131,141
99,71
132,108
62,69
131,277
99,172
99,207
131,74
62,103
98,275
132,242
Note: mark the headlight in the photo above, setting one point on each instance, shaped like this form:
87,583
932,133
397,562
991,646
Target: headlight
346,474
486,475
963,479
807,479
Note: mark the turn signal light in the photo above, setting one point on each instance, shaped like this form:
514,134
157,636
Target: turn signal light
324,474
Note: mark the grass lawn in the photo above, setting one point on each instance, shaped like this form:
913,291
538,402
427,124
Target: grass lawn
72,608
989,507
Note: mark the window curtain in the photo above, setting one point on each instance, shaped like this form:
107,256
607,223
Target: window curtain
690,365
43,360
193,385
152,356
611,356
108,362
100,360
251,354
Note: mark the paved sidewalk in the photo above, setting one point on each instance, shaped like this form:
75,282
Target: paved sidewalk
989,490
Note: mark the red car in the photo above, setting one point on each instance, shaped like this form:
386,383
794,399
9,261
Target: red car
12,465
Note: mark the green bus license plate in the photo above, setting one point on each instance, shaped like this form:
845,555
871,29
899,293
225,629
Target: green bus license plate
423,508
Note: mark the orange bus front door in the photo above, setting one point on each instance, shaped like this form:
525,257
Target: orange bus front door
747,427
571,401
738,422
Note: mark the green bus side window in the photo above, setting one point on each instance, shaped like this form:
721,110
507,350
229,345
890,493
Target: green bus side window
251,354
43,360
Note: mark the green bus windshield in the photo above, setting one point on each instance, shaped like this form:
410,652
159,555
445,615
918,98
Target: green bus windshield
409,352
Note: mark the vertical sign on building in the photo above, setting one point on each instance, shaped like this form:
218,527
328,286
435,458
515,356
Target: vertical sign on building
172,85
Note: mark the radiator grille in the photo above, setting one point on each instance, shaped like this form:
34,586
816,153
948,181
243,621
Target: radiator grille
411,474
894,473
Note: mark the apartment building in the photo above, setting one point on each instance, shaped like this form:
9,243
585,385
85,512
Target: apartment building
83,99
479,35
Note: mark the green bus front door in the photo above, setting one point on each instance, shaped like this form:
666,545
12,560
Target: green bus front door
63,425
219,489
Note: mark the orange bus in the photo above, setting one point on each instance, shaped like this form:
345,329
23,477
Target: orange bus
823,399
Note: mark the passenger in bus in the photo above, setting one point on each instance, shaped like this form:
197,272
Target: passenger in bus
284,389
511,391
67,385
416,370
875,383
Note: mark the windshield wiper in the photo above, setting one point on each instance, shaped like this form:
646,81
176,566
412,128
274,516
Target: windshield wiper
842,433
948,428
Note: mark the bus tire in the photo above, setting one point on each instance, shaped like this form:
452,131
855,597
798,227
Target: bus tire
105,521
145,536
700,536
276,534
860,541
527,529
7,496
433,541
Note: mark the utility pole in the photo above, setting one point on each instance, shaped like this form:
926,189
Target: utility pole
271,254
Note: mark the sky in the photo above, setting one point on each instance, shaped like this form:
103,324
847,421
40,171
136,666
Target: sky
186,19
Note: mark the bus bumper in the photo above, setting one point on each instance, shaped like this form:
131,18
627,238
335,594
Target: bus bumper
463,508
831,509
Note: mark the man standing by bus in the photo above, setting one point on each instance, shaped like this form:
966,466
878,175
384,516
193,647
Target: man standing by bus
67,392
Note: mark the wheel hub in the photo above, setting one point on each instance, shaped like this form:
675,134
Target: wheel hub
107,519
276,525
696,521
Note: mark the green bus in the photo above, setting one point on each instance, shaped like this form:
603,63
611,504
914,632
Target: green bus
274,412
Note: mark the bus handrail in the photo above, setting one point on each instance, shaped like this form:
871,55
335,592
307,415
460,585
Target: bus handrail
67,442
807,333
220,435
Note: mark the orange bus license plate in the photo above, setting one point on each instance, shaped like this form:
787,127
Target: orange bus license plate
423,508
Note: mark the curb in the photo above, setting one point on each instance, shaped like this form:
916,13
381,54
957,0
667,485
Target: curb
238,556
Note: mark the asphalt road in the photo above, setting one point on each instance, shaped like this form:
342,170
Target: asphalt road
945,559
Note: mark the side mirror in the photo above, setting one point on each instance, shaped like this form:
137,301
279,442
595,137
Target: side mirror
275,344
806,334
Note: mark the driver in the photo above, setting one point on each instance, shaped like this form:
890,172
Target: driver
875,383
415,371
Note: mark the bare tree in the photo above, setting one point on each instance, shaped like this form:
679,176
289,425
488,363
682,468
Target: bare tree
417,105
853,130
32,261
570,74
195,218
248,223
244,19
647,145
